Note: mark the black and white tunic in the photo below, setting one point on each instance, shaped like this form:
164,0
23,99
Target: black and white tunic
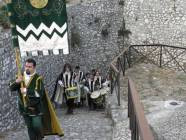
78,77
67,79
90,84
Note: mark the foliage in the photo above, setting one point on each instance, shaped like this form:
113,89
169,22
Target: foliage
67,1
123,31
75,39
96,20
4,21
104,32
121,2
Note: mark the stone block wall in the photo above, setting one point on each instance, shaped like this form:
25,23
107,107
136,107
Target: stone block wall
9,115
95,23
156,21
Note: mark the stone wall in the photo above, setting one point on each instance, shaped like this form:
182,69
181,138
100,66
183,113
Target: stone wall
8,114
156,21
94,29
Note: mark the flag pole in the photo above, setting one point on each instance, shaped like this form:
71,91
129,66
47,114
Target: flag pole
18,64
16,48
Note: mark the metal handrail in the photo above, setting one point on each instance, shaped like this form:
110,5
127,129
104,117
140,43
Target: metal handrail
116,66
162,55
159,46
121,61
138,123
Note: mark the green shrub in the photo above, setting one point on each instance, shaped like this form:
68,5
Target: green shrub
4,21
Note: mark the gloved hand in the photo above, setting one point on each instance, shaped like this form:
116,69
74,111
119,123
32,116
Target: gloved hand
60,83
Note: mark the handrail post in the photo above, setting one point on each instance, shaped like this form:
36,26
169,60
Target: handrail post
118,81
129,98
161,56
124,59
111,81
129,52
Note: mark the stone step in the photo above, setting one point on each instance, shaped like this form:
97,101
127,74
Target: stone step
119,117
82,125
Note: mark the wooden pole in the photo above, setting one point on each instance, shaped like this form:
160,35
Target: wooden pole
16,48
18,64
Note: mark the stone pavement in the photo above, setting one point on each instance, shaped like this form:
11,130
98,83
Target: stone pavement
83,125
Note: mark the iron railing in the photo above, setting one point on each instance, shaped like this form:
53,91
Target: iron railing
138,124
158,54
118,65
162,55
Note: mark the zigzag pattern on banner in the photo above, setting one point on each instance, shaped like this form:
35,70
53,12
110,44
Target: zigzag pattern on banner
42,32
42,29
56,42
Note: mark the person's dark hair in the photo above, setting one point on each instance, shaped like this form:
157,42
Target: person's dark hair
88,73
30,60
65,66
93,71
77,67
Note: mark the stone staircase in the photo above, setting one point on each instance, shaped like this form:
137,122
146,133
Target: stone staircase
119,115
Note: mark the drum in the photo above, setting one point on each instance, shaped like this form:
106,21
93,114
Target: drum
71,93
95,94
98,99
104,91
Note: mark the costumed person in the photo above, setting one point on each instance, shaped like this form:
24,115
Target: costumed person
67,88
98,80
34,104
58,94
96,99
79,80
93,72
106,82
89,88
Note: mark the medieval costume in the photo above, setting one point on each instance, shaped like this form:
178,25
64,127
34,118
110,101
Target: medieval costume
58,95
98,80
89,88
79,80
38,113
94,84
65,88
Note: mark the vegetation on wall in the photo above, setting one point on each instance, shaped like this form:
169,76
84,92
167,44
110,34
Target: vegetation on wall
121,2
104,32
4,21
67,1
75,38
123,32
105,29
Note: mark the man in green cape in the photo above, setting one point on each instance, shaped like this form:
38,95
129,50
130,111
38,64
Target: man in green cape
34,104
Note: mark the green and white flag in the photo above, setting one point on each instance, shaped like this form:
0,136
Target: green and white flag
39,26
